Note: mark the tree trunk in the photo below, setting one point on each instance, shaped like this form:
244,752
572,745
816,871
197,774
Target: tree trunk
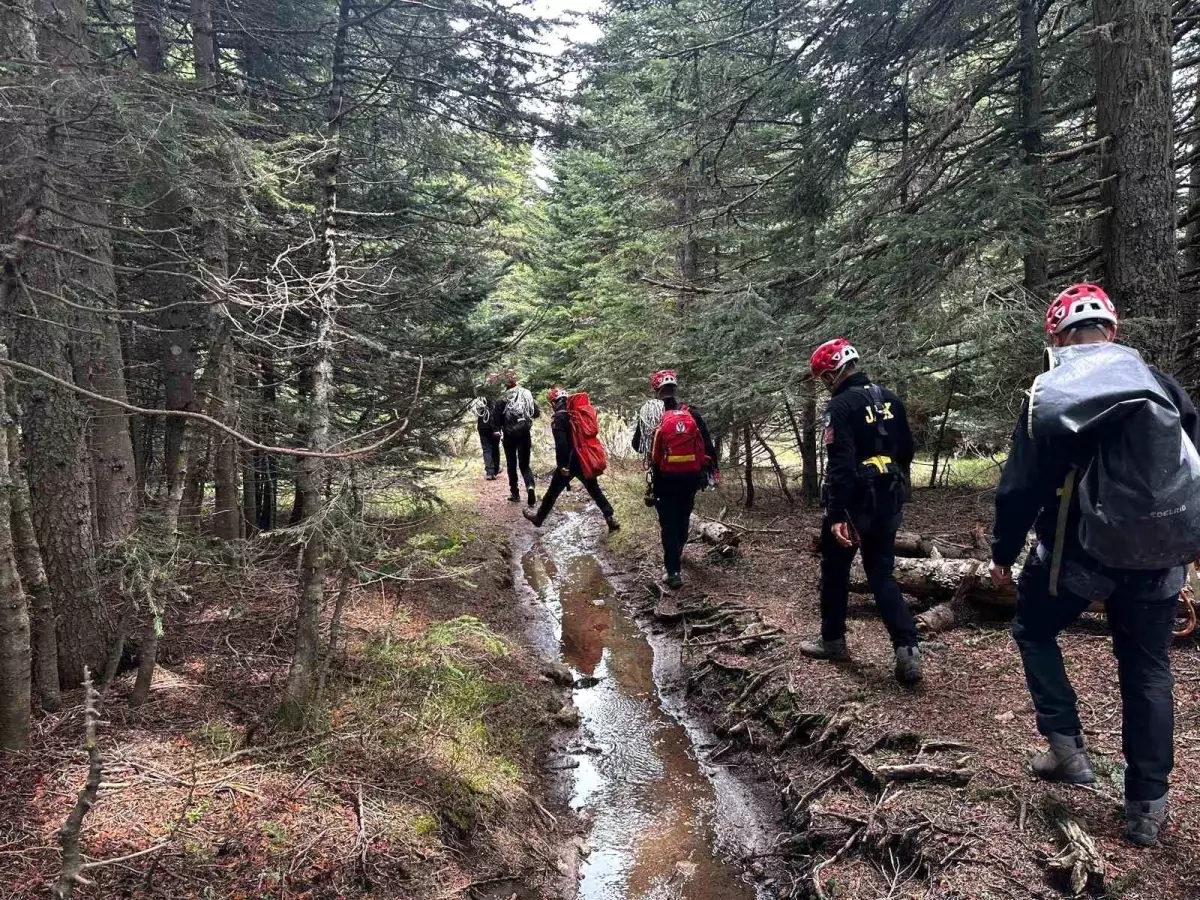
267,466
148,653
227,525
1132,42
249,494
941,438
30,567
806,441
305,667
1029,91
147,31
15,682
780,475
749,465
100,368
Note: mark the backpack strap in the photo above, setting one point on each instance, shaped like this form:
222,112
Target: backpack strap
1065,493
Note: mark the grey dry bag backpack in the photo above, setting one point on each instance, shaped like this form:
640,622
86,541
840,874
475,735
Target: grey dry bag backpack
1139,495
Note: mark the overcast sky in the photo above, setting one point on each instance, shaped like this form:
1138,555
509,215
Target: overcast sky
575,29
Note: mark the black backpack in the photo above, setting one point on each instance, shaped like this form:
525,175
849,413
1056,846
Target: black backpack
1139,491
516,422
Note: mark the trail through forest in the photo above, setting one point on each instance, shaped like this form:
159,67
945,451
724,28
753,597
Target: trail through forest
662,821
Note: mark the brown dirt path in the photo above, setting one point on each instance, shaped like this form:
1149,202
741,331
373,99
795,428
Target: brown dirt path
987,839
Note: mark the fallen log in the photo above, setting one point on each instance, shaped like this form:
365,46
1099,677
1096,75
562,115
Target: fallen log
716,534
942,578
916,546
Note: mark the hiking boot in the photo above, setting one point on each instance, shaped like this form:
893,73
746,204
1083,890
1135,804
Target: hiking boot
1066,761
835,651
674,581
908,665
532,517
1143,821
514,498
530,498
491,478
612,523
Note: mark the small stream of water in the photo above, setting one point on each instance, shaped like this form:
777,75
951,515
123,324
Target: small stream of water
664,822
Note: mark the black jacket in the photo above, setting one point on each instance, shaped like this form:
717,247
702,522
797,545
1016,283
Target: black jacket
852,437
710,449
564,442
1028,494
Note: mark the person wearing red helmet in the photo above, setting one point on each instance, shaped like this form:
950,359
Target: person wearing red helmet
679,449
1060,579
869,451
568,464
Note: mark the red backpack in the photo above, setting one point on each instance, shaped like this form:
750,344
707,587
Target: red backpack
585,434
678,444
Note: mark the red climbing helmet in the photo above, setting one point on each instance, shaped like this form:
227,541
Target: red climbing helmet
556,393
831,356
662,378
1079,303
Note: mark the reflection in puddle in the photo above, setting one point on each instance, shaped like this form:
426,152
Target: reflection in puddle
653,835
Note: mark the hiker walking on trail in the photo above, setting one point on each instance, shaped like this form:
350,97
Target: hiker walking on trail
488,424
869,449
649,417
518,409
578,453
1104,467
682,458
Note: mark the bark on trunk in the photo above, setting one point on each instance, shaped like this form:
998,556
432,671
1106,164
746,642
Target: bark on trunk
1133,114
148,652
31,568
305,667
227,524
942,578
806,441
15,682
99,368
749,466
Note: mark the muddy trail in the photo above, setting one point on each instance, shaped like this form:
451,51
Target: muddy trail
664,823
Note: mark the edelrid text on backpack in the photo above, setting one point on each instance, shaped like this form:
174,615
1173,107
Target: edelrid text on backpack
585,436
1139,494
678,444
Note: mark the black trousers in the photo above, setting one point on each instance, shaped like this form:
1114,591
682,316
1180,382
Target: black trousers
674,499
491,452
877,542
559,483
516,455
1141,620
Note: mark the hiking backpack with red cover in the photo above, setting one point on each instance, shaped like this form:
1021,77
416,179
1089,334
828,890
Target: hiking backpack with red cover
678,444
585,435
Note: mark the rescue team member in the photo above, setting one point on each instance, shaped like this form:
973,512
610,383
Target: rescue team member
518,409
869,449
487,421
1140,604
568,463
682,459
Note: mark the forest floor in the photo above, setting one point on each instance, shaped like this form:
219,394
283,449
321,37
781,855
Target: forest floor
418,778
975,824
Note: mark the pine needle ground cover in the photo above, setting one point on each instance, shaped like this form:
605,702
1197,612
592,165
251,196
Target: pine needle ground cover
415,777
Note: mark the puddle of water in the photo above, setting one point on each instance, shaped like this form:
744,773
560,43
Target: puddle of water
659,826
